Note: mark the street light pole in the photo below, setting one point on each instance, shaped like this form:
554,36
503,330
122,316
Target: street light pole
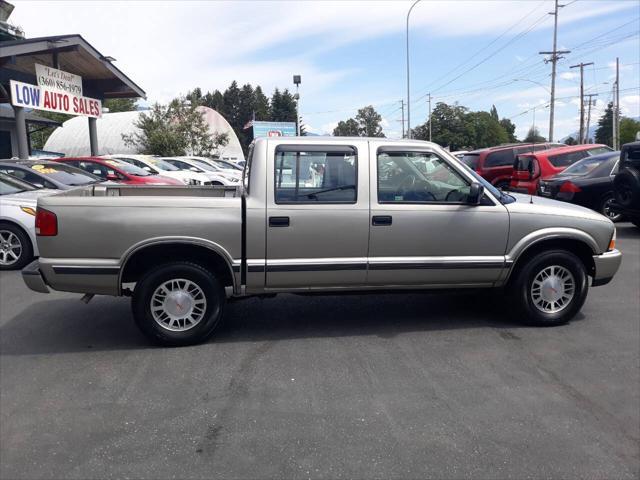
408,81
297,80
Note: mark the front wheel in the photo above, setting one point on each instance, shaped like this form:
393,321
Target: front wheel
607,211
551,288
178,304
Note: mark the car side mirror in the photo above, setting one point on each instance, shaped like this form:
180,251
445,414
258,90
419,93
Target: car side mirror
476,191
113,177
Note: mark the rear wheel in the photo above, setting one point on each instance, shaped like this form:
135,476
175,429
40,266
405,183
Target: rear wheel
178,304
605,209
550,288
15,247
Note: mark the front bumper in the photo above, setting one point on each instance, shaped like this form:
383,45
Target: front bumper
607,265
33,278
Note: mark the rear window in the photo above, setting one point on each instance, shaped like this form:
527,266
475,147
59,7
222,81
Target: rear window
128,168
9,185
598,150
566,159
471,160
500,158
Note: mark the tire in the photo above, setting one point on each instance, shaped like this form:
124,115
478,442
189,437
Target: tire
185,282
535,305
16,249
605,208
627,188
502,184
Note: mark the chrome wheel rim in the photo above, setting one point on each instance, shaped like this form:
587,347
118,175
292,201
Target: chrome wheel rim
10,248
178,305
553,289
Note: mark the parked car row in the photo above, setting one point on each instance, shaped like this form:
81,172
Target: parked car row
580,174
23,181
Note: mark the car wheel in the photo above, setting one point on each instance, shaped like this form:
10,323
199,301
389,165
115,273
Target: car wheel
627,187
551,288
605,209
15,247
178,304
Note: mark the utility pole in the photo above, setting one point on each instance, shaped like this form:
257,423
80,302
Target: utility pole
613,117
402,106
429,116
616,110
581,65
590,103
555,56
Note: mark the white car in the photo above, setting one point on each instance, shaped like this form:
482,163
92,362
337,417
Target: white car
228,168
18,202
158,166
217,177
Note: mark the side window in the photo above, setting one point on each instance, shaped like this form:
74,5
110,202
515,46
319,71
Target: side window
500,158
418,177
316,175
94,168
566,159
29,177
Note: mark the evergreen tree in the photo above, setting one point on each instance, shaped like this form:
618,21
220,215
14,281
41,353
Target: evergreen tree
570,141
604,132
231,101
261,104
494,113
533,136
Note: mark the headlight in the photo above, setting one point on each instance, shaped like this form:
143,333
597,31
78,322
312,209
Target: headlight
29,210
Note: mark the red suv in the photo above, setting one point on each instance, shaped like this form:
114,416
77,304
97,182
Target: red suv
529,169
495,164
117,171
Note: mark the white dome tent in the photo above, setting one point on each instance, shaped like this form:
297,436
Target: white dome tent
72,138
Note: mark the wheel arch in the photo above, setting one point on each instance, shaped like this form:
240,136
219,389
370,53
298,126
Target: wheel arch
577,242
139,258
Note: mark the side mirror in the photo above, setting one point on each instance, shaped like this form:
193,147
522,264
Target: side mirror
113,177
476,191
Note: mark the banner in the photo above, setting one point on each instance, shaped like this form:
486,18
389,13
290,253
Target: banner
32,96
53,79
274,129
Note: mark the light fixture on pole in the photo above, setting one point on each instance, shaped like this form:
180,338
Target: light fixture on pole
408,81
297,80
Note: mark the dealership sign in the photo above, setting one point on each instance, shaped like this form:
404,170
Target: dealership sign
274,129
53,79
54,98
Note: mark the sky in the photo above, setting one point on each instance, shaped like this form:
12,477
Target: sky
353,53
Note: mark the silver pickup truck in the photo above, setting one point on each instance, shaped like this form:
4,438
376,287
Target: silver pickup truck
316,215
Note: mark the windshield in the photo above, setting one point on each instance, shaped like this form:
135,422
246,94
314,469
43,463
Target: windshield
163,165
226,165
499,194
203,165
62,173
10,185
585,166
128,168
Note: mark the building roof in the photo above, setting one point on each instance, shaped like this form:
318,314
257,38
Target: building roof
72,138
7,113
101,79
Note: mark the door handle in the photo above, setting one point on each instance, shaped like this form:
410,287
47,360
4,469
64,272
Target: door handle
378,220
278,221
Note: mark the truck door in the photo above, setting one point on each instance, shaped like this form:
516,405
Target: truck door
423,231
317,215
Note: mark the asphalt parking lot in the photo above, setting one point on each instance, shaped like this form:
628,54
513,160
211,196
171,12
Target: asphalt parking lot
388,386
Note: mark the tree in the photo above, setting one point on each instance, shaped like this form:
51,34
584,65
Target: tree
510,128
283,106
366,124
231,102
120,104
261,104
604,132
486,130
369,122
570,141
347,128
533,136
629,128
494,113
173,130
449,127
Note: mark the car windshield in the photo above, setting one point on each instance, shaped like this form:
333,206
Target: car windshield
163,165
471,160
226,165
62,173
203,165
585,166
10,185
128,168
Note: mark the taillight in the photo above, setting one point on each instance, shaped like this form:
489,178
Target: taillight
569,187
46,223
